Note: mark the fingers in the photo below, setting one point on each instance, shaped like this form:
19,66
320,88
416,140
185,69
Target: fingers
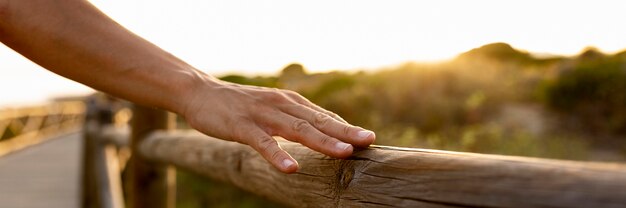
303,132
271,151
327,112
332,127
299,99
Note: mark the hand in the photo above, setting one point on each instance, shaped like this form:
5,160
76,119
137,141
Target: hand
252,115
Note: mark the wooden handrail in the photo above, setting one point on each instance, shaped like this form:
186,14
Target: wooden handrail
378,176
32,125
396,177
67,108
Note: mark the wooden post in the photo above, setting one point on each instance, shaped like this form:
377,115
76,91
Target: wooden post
152,185
90,191
101,174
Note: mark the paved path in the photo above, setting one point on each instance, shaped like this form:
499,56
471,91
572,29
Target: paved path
44,175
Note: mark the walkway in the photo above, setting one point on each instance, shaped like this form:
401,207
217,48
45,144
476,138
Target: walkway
44,175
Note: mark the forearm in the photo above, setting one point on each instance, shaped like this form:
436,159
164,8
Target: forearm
75,40
72,38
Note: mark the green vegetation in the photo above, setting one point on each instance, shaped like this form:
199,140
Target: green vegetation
493,99
197,191
593,90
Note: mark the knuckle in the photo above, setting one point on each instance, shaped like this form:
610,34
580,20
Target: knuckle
273,96
321,119
325,141
300,125
266,144
275,155
346,130
293,94
334,115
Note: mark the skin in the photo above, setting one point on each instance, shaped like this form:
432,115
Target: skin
74,39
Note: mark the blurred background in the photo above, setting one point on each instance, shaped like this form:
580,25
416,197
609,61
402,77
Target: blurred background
529,78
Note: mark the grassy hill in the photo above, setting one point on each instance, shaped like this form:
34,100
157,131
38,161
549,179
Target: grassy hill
492,99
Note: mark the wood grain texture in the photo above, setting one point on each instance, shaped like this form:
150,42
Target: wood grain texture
396,177
152,185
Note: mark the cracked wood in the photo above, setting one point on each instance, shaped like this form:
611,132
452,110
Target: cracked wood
396,177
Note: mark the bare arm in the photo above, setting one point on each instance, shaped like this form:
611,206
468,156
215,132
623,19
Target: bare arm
74,39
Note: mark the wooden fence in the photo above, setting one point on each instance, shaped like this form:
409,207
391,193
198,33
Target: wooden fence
23,127
379,176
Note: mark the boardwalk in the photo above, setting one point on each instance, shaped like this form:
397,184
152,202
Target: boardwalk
44,175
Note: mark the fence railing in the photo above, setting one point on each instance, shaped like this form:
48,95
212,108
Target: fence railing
378,176
23,127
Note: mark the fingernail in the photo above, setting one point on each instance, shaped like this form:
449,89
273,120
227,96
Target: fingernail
287,163
364,134
342,146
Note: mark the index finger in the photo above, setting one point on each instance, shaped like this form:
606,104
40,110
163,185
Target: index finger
332,127
302,100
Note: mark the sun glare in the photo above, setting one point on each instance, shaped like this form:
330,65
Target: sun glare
260,37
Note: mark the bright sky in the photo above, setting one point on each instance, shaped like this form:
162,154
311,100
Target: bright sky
261,37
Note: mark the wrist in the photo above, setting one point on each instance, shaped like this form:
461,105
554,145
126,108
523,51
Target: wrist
195,86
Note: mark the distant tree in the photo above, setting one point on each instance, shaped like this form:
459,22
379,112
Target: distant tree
593,90
293,70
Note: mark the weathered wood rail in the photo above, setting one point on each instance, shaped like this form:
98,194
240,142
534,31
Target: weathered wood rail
22,127
378,176
396,177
